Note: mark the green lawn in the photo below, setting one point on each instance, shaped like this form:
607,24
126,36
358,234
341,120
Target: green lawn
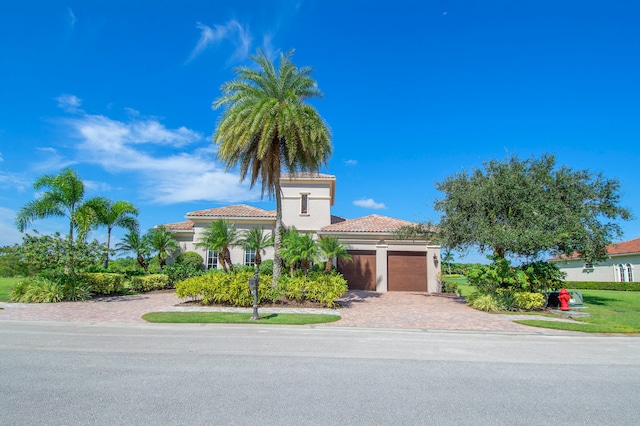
238,318
609,312
6,284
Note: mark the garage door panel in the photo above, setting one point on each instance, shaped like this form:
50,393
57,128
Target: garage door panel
407,271
360,273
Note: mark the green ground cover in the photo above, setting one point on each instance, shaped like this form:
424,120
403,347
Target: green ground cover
6,284
238,318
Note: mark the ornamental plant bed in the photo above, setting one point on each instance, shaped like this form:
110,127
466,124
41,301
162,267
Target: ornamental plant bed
281,302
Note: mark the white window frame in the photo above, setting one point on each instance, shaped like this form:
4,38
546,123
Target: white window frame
212,259
249,257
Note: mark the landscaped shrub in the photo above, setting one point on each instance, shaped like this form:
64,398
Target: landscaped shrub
325,288
190,258
529,301
590,285
484,302
37,289
266,267
181,271
148,282
449,287
233,289
104,283
221,288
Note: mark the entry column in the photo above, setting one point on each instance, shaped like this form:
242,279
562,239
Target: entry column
381,266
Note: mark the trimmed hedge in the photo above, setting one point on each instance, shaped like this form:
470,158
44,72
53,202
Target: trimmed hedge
104,283
233,289
591,285
149,282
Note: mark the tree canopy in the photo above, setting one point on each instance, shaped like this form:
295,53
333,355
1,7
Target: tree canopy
530,207
266,127
62,196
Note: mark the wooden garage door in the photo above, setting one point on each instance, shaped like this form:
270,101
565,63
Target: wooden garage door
361,272
407,271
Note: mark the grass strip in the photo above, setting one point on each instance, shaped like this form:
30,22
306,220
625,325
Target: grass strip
237,318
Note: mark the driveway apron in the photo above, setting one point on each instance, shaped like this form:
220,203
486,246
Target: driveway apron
394,310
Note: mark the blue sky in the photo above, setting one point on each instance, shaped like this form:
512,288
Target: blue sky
414,91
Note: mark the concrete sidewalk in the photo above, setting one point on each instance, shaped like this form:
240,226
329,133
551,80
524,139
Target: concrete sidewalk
401,310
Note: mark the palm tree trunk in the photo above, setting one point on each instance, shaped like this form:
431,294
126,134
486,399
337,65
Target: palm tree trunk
328,266
105,264
277,241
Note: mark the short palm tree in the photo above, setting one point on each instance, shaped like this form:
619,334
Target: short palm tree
266,127
220,235
299,247
161,241
255,239
112,214
333,248
62,197
133,243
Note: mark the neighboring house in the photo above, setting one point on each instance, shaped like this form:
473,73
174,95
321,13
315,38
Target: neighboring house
380,262
621,265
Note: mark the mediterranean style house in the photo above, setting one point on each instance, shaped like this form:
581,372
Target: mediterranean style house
380,261
624,258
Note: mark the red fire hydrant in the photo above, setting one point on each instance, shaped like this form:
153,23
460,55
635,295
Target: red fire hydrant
564,298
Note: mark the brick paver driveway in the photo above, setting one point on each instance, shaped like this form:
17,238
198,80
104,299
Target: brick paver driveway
360,309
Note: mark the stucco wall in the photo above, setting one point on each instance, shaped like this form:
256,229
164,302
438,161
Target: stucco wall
319,205
602,271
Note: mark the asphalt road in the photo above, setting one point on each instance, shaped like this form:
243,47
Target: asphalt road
111,374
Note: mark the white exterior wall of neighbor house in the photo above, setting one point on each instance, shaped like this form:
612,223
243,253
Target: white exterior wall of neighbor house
605,271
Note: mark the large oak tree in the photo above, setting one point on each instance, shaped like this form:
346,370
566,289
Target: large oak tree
530,207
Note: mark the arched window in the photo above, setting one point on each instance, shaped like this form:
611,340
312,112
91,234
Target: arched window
621,273
629,272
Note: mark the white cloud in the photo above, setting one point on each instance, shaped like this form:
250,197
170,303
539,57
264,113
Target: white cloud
232,31
351,162
51,160
165,175
69,103
369,203
12,180
72,17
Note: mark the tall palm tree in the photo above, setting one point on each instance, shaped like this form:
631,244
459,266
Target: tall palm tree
63,195
333,248
162,241
133,243
266,127
220,235
255,239
112,214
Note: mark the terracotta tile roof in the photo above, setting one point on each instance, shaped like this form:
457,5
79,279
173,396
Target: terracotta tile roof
239,210
371,223
306,175
180,226
624,247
